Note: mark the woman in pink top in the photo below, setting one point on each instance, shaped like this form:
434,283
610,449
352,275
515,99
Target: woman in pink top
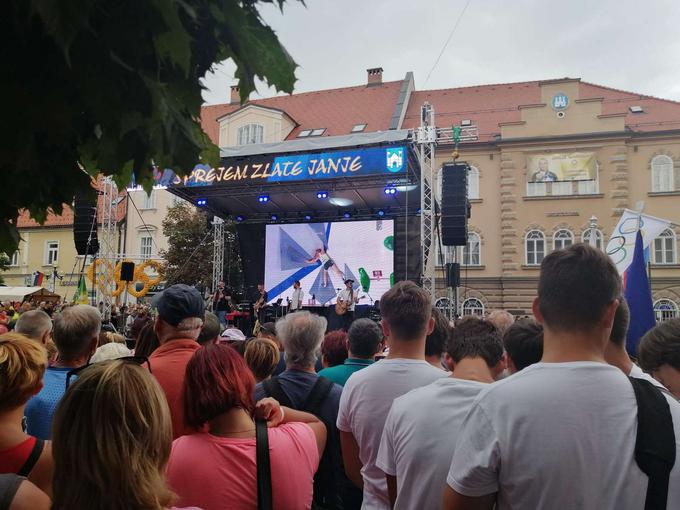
217,469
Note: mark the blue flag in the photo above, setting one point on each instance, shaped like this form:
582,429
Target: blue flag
639,298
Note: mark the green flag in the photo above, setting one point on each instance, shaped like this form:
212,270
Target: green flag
81,297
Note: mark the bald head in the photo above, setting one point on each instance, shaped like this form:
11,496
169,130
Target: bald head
501,319
35,324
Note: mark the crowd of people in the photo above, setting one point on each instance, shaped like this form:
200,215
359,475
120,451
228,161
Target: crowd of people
414,412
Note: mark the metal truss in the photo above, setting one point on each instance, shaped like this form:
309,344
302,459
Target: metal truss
108,246
218,251
426,139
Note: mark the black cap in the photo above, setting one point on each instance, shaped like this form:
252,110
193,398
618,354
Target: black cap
348,280
179,302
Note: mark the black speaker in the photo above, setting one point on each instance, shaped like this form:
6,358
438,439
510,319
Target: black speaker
453,274
454,206
84,223
127,271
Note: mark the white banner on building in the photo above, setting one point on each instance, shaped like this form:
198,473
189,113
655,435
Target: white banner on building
622,242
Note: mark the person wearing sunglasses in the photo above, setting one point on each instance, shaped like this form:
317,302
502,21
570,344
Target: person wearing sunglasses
217,468
22,366
112,438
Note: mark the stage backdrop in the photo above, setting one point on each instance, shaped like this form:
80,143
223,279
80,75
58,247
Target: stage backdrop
322,255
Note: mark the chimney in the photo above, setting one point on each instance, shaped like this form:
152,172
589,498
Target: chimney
374,76
235,95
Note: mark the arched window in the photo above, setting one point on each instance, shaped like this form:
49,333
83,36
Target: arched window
664,248
665,309
472,252
250,133
562,239
472,306
662,173
473,183
598,237
535,247
445,306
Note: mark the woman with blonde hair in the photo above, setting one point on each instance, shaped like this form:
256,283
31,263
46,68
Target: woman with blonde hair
262,356
111,441
22,365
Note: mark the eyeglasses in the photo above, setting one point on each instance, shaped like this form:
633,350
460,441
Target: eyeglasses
139,360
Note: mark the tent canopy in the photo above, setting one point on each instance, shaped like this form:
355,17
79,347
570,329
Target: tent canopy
24,293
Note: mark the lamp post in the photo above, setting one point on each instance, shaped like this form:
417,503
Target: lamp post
592,241
53,279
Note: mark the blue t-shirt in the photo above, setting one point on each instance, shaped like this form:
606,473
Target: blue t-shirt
40,409
340,373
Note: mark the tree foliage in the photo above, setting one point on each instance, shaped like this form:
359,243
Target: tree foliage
98,86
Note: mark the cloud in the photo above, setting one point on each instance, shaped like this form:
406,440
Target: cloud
617,43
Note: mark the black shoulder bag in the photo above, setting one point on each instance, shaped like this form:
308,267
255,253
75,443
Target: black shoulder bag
264,471
655,441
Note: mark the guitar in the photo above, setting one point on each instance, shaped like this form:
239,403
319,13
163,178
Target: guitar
341,307
258,305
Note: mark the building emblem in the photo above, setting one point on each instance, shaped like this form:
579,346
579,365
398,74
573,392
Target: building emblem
560,101
395,159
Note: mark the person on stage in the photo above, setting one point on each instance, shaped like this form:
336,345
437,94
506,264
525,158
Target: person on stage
348,296
260,302
296,300
221,303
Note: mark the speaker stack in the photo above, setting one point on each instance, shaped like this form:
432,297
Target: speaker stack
84,225
455,207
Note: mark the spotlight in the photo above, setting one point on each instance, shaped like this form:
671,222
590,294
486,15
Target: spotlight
308,217
275,217
390,190
201,202
381,213
322,194
239,218
346,215
263,199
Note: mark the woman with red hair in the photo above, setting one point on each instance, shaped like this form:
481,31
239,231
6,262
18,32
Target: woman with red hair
217,468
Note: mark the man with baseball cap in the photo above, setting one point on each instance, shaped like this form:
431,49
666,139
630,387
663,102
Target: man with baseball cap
348,298
177,326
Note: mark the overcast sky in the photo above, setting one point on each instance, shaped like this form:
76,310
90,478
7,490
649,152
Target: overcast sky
626,44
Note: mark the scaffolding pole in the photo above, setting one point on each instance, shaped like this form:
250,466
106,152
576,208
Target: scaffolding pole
426,138
218,251
108,247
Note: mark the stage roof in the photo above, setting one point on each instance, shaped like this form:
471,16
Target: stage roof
353,170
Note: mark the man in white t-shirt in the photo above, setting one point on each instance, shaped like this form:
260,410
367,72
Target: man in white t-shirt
369,393
421,428
296,299
560,433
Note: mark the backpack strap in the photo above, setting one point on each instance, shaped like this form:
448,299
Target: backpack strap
264,472
32,458
322,387
272,388
655,441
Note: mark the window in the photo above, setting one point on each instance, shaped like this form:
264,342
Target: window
472,251
51,253
535,247
14,259
444,305
358,128
665,309
304,133
562,239
664,248
146,247
473,183
149,200
472,306
317,132
598,237
662,173
250,133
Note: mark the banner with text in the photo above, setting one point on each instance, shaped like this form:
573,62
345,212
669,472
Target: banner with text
572,166
299,167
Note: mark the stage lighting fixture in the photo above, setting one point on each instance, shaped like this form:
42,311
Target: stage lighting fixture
239,218
380,213
201,202
308,217
275,217
390,190
263,199
322,194
347,215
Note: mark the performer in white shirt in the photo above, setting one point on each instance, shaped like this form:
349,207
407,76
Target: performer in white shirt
348,298
296,300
